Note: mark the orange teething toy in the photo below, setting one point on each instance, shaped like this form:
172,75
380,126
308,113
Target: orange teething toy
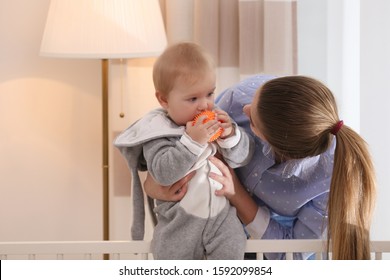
210,115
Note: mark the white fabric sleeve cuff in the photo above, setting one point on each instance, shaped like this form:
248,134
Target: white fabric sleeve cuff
191,145
231,141
257,227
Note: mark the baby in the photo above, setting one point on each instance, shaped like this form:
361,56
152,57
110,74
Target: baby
169,144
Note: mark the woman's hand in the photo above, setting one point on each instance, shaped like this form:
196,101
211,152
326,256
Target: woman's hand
173,193
234,191
226,179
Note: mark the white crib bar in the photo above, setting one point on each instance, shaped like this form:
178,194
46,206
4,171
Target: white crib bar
286,246
141,249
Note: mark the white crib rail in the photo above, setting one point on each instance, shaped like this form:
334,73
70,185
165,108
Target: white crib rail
141,249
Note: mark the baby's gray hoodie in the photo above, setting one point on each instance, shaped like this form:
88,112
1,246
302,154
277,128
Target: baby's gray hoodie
155,143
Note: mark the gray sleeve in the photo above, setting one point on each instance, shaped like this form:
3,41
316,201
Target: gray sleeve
240,154
168,160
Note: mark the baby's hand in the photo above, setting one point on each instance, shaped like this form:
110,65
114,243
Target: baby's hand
225,123
201,132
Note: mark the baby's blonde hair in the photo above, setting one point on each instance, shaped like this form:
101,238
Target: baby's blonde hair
185,60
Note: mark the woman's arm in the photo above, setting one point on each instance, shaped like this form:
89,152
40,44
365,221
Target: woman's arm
172,193
234,191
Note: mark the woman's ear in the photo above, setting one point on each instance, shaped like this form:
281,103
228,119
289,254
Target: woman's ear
162,99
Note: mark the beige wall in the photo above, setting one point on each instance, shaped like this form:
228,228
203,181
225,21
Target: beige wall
50,134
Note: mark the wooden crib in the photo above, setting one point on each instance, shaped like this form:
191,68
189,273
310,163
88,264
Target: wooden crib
119,250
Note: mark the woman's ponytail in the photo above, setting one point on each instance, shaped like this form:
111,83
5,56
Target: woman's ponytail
351,198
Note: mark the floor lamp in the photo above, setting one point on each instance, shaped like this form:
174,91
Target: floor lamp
104,29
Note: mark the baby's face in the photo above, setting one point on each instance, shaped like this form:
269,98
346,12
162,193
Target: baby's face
187,99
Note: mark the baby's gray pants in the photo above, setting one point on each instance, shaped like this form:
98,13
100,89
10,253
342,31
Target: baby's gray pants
182,236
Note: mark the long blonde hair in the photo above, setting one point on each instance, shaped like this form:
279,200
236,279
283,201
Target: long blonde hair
297,115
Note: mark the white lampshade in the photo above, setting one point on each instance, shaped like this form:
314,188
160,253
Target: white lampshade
103,29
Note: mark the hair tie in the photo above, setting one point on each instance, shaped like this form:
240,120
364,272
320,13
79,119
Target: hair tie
337,127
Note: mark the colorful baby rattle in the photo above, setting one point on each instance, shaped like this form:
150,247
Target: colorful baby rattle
210,115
